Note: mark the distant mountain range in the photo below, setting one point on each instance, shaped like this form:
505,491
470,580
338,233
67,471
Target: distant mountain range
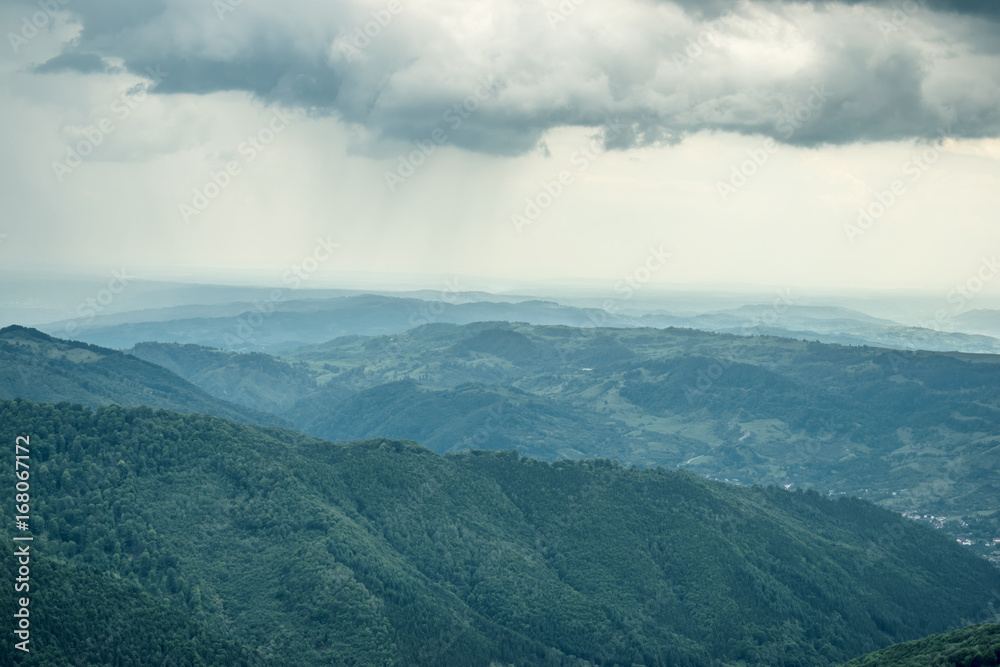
278,324
281,324
831,325
982,321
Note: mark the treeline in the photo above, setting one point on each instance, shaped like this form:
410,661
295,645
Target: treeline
977,646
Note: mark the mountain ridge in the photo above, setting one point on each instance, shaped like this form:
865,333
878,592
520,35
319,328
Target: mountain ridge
382,552
38,366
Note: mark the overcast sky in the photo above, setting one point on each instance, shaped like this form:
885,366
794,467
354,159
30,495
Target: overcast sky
529,139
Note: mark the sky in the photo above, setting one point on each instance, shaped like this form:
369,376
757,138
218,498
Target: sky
835,145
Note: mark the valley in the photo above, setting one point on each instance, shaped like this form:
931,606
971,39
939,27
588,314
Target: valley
893,427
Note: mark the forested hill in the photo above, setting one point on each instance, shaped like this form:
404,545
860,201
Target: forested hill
81,617
913,431
976,646
38,367
384,553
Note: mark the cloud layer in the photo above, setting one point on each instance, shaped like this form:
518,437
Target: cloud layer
805,74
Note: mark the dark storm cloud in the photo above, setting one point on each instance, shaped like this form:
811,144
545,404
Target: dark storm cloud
85,63
973,7
856,82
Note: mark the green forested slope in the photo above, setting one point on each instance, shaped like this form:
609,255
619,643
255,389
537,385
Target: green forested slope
80,617
38,367
470,416
255,380
977,646
383,552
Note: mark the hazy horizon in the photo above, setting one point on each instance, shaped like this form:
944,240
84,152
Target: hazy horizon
40,299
